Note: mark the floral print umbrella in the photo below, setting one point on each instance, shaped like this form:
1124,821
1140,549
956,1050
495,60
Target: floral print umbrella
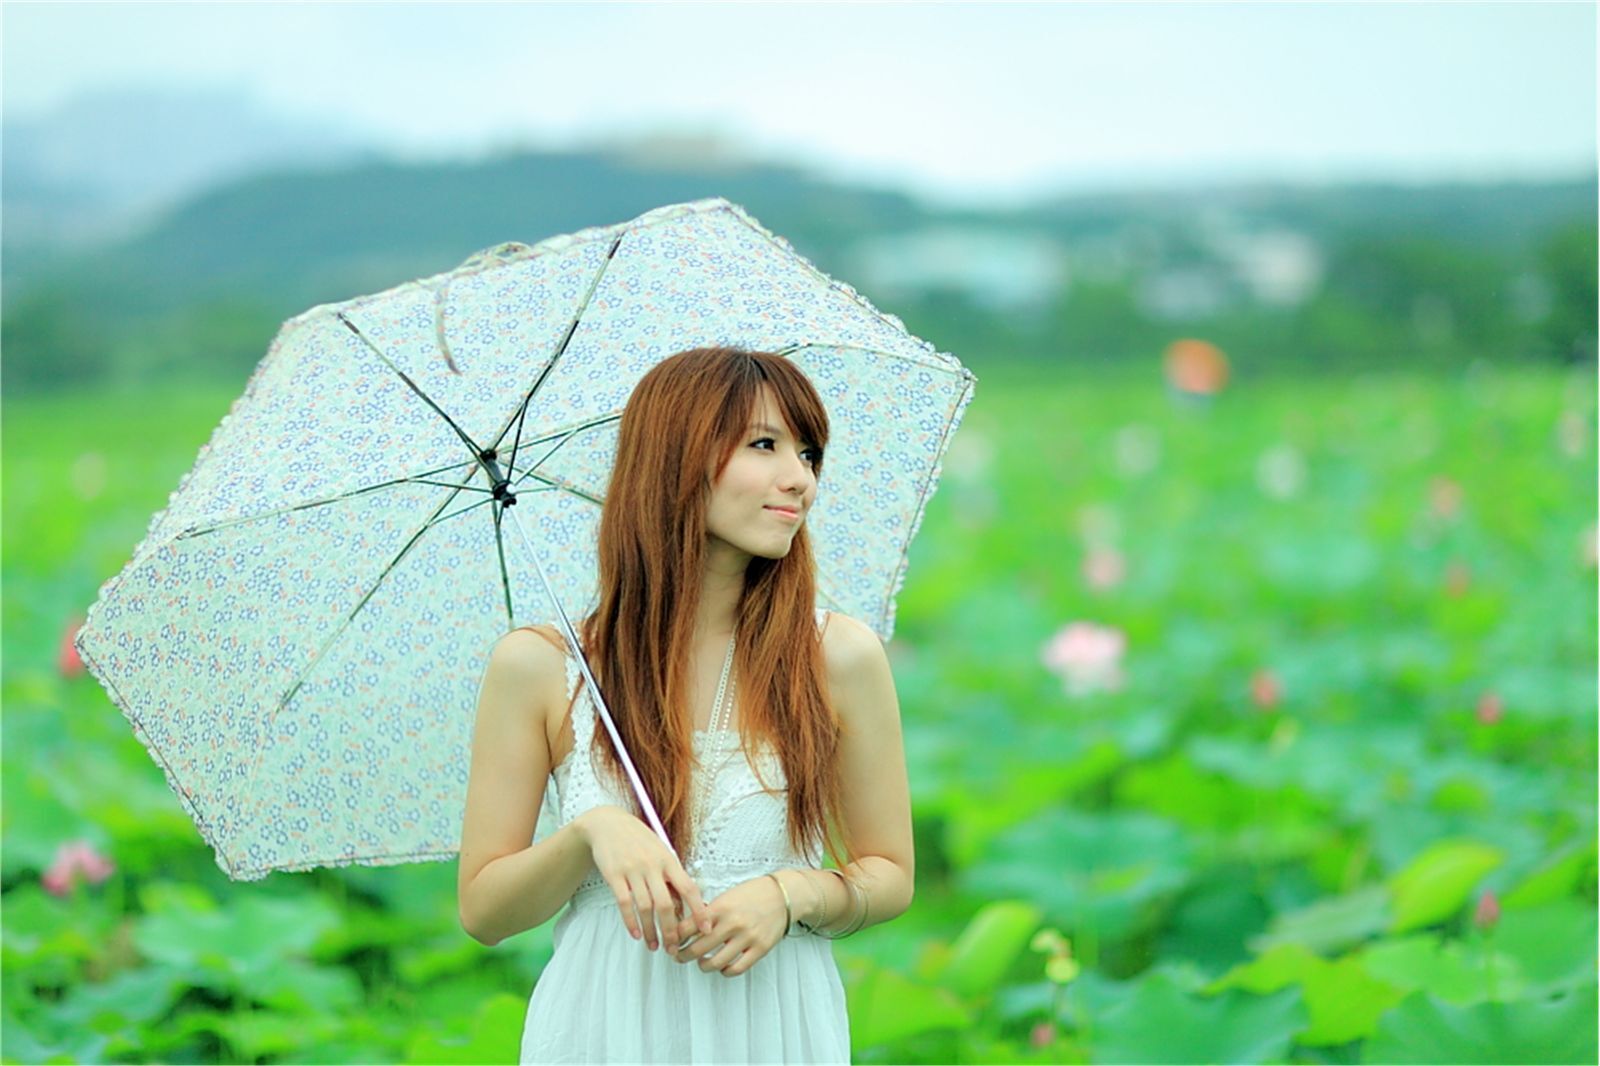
299,638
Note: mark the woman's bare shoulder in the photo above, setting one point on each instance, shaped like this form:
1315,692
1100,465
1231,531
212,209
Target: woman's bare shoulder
549,634
848,646
531,654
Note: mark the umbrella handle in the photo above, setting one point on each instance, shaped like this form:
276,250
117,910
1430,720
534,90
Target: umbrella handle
594,689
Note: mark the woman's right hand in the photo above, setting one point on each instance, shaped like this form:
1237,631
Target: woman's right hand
643,874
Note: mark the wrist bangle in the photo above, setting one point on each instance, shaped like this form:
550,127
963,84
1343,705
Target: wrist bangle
822,909
788,912
859,895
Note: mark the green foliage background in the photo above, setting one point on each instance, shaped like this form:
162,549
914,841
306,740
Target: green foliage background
1388,516
1226,880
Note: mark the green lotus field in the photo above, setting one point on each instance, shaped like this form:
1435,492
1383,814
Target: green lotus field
1255,725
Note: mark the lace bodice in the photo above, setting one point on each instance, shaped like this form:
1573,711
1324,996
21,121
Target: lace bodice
746,826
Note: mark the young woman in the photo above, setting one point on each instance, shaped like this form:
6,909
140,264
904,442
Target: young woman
764,731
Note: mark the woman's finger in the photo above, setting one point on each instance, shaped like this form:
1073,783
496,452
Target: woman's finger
689,935
665,911
641,904
620,892
743,962
722,956
690,894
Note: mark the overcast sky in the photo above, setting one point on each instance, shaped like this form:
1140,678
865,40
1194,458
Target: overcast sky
958,101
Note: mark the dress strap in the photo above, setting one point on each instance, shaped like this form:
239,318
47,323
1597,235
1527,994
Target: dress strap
583,713
574,675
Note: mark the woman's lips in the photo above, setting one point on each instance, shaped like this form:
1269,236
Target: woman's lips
783,512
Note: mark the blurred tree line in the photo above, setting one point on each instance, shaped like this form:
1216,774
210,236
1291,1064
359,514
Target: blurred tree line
1405,300
1417,277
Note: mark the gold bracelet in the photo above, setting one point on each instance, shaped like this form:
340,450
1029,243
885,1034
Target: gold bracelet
822,906
861,915
788,912
860,896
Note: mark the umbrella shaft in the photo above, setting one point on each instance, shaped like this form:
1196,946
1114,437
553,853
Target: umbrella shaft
583,665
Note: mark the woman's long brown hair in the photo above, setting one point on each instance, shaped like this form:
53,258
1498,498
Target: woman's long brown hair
680,427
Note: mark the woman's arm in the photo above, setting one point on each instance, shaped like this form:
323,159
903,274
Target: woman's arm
877,792
504,885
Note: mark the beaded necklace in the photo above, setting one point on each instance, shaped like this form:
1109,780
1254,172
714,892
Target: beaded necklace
720,713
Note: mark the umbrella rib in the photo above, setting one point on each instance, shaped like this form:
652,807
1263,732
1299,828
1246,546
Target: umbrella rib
464,510
954,371
419,480
560,437
560,487
553,449
424,397
441,519
561,349
316,659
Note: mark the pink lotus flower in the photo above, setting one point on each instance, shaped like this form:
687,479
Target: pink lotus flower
1490,708
73,858
67,661
1487,913
1457,579
1086,657
1043,1034
1103,568
1265,689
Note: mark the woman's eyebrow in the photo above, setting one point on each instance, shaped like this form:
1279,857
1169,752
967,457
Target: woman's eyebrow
762,427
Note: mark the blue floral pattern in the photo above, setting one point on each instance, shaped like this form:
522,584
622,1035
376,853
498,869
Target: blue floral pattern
299,637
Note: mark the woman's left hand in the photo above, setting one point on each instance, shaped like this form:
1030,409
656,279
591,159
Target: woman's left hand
746,922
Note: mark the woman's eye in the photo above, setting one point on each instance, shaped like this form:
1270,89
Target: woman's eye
810,455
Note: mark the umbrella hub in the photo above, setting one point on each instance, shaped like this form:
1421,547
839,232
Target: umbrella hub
499,484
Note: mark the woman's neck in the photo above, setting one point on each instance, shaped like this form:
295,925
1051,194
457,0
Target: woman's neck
720,587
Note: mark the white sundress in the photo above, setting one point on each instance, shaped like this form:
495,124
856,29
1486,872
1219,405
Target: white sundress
606,998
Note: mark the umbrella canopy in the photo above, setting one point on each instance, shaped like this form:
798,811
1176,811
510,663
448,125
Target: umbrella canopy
299,638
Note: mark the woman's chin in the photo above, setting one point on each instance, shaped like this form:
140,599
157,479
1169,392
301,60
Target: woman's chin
775,550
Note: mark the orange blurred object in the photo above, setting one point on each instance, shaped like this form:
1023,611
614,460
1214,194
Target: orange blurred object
1490,708
1196,366
1266,690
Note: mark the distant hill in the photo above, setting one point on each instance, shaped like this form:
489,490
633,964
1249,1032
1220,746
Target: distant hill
204,285
1505,216
100,163
290,240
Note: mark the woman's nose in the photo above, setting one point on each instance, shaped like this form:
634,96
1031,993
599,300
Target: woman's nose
796,473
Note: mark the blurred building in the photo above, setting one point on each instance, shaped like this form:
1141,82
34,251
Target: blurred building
1002,270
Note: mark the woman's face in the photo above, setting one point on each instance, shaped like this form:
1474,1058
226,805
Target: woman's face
764,493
